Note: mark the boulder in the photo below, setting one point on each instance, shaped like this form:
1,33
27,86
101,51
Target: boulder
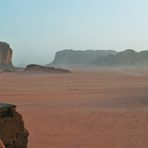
12,131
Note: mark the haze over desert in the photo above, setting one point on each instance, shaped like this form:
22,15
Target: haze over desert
74,74
83,109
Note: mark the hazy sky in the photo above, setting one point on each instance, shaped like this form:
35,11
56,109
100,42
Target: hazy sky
36,29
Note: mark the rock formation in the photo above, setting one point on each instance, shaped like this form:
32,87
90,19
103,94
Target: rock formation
12,131
5,56
78,57
128,57
39,68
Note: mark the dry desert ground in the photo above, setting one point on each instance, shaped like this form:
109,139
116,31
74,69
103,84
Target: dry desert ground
83,109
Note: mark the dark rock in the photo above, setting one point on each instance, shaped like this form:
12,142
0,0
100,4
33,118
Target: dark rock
39,68
12,131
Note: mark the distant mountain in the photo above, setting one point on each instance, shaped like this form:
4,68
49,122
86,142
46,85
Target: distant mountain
79,57
124,58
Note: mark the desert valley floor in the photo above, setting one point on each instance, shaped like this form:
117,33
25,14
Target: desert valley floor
87,109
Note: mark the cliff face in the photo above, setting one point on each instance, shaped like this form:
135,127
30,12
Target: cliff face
5,56
90,58
78,57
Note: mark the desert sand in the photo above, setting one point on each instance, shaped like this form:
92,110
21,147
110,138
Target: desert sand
83,109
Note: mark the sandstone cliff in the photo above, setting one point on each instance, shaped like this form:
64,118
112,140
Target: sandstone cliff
78,57
5,56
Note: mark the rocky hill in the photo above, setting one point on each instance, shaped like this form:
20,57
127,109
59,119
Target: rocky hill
124,58
78,57
5,56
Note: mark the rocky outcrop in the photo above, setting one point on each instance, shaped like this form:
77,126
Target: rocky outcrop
39,68
128,57
5,56
12,131
78,57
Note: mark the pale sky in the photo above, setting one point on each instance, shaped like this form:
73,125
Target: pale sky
36,29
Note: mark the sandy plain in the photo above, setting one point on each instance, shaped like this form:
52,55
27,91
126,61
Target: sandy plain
83,109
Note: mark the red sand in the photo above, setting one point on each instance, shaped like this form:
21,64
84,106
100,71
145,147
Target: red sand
107,109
